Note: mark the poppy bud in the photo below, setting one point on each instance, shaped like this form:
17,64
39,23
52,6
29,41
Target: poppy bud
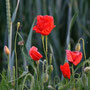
6,50
18,25
77,47
87,69
45,77
50,69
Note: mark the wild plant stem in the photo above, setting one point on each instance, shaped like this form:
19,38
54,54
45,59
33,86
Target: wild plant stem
9,25
73,75
37,71
46,49
43,42
42,74
66,81
46,54
8,62
8,68
16,62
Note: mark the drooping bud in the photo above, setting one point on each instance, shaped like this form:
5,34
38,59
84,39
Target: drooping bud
18,25
6,50
87,69
45,77
77,47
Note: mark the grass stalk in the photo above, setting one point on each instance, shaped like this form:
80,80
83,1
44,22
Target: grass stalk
9,25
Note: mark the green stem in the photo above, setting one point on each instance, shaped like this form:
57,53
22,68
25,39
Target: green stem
8,69
46,54
73,75
16,62
37,71
66,81
43,42
8,62
9,26
46,49
83,47
20,35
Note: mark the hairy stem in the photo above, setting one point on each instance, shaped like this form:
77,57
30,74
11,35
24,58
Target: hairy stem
16,62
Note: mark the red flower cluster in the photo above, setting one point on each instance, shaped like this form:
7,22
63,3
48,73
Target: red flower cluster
34,54
65,70
74,56
44,24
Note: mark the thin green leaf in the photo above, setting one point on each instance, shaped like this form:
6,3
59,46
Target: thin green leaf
15,12
73,20
28,42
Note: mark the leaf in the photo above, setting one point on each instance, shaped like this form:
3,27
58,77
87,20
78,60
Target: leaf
28,42
73,20
27,58
15,12
78,67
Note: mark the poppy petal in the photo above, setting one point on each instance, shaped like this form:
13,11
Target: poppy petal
69,56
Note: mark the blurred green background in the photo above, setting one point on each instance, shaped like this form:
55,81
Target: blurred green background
60,37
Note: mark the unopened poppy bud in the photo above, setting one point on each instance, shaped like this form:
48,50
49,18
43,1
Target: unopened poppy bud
45,77
18,25
50,69
87,69
77,47
6,50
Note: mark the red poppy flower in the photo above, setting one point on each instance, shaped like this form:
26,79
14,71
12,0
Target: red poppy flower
34,54
65,70
44,24
74,56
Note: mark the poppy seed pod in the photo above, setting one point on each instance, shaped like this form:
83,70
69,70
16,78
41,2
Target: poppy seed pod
6,50
77,47
45,77
50,69
87,69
